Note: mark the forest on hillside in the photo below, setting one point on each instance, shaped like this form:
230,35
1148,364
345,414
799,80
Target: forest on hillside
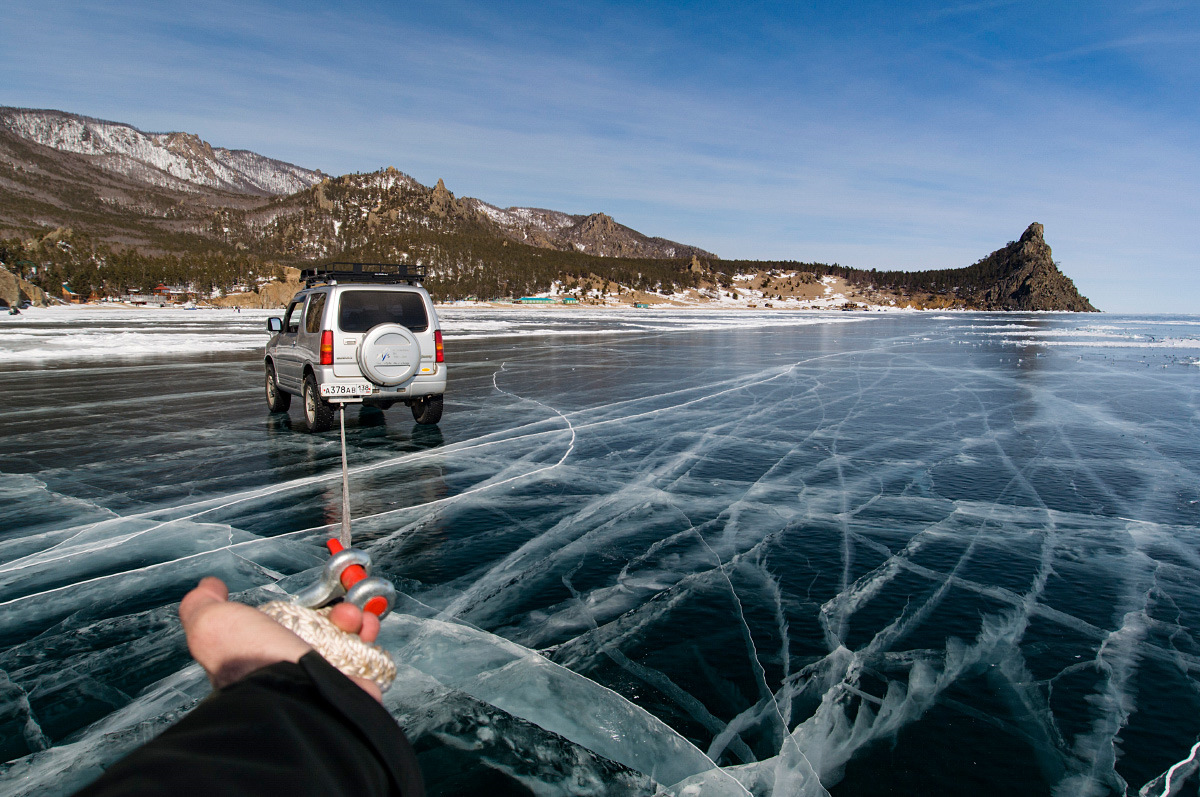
460,262
61,259
457,266
979,276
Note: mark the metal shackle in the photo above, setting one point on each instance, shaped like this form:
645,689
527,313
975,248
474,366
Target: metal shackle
329,586
365,593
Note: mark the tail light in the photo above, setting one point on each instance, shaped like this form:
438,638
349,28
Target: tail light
327,347
440,357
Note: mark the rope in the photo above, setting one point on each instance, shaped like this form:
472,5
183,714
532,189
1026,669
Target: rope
344,538
343,650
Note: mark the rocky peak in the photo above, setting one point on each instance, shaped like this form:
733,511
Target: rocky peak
1029,279
1032,243
442,202
1034,234
189,145
598,223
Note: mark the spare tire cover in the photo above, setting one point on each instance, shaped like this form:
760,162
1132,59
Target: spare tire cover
389,354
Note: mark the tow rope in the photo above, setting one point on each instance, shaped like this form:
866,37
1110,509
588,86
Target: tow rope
346,577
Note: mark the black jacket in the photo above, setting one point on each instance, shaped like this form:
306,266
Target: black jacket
288,729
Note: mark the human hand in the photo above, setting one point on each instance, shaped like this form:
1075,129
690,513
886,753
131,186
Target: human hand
231,640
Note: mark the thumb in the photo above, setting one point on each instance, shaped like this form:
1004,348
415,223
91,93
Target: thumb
209,592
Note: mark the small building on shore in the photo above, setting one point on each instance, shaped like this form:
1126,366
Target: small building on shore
175,294
71,296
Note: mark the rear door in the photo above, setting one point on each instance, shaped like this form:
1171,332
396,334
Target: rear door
289,365
360,309
308,337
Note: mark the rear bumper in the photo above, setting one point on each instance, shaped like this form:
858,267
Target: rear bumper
419,385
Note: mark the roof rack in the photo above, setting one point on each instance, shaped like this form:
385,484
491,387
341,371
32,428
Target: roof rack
393,273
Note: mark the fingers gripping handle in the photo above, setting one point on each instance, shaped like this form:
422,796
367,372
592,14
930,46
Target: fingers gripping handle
345,574
340,648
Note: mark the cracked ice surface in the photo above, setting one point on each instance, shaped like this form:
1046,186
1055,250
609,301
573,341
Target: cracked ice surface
705,553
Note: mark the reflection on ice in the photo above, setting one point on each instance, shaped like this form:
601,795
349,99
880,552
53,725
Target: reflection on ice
720,554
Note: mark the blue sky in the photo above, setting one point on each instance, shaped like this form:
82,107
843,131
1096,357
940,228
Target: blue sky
879,135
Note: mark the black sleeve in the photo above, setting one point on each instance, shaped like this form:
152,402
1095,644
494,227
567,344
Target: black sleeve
288,729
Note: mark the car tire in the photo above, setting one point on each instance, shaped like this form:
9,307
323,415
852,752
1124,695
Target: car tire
427,410
277,400
317,411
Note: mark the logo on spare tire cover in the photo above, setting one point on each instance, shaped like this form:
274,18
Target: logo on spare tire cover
394,356
389,354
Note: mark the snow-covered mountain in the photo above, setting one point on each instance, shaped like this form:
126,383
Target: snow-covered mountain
174,192
179,161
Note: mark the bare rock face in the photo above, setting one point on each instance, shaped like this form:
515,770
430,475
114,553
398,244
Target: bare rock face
14,291
441,201
600,234
443,205
272,296
1028,279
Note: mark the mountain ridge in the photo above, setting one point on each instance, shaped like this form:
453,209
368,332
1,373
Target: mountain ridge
174,160
162,166
173,202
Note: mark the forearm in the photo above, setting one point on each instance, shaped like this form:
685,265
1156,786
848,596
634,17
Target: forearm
287,729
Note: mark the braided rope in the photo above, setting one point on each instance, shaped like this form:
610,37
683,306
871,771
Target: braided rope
343,650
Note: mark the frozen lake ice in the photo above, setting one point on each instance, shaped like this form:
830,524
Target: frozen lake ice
695,552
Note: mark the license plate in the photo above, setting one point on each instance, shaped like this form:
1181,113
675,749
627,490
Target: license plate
337,389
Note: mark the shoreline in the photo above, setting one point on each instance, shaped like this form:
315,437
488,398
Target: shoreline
705,307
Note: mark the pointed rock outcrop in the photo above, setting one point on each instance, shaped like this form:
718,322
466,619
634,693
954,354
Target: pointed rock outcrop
1027,278
442,203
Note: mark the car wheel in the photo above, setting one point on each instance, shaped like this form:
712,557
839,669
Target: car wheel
317,412
428,410
277,400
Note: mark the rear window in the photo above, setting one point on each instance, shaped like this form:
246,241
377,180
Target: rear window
361,310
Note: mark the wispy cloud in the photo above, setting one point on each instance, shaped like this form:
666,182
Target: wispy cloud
881,136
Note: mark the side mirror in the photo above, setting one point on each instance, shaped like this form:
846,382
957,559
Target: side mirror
274,324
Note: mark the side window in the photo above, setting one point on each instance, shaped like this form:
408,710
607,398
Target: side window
316,308
291,321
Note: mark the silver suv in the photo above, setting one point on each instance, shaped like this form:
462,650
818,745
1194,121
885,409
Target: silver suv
357,333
